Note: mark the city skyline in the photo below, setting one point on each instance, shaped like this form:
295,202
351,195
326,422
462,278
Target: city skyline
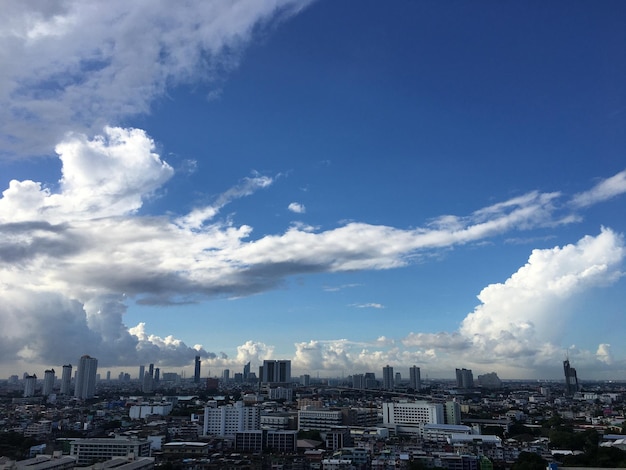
345,185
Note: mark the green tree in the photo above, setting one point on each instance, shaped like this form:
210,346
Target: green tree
529,461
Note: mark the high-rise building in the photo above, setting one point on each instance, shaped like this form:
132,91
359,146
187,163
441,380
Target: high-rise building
30,383
230,419
388,377
407,417
157,375
151,370
305,380
246,372
85,386
196,370
142,372
415,379
452,412
464,378
358,381
571,380
226,375
108,375
48,382
275,371
66,379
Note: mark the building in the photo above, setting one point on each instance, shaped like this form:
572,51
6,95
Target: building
358,381
246,372
48,382
145,410
226,375
571,380
490,380
260,440
415,378
275,371
66,379
452,412
388,377
196,370
464,378
46,462
305,380
88,451
228,420
321,419
30,383
409,417
85,386
124,463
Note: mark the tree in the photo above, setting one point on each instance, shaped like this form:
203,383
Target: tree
529,461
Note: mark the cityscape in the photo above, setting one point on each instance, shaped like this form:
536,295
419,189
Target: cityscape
312,235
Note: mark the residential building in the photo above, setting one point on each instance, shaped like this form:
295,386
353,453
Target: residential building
321,419
66,379
48,382
196,370
415,379
388,382
464,378
228,420
85,386
275,371
571,380
30,383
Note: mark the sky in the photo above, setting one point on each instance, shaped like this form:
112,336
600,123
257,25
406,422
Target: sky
345,184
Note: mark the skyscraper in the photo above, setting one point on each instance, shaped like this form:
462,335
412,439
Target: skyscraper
48,382
30,382
388,377
196,370
86,377
571,380
415,379
275,371
246,372
142,372
66,379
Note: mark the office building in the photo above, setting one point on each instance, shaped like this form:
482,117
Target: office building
409,417
48,382
415,378
226,375
157,375
30,383
85,386
66,379
358,381
246,372
320,419
226,421
275,371
305,380
388,378
196,370
142,372
464,378
571,380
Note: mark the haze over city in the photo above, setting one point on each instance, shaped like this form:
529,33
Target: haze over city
344,185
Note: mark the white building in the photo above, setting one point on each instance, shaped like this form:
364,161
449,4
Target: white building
48,382
407,417
86,377
322,419
87,451
30,382
228,420
145,410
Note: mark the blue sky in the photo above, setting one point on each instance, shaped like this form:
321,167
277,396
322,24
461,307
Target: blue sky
343,184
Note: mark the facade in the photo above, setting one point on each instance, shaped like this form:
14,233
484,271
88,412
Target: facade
142,372
452,412
228,420
275,371
409,417
464,378
246,372
88,451
388,378
358,381
48,382
30,383
260,440
415,378
85,386
66,379
321,419
143,411
490,380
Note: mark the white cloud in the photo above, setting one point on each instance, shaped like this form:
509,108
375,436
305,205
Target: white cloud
369,305
76,65
80,251
297,208
606,189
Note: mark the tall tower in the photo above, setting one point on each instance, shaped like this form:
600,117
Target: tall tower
196,370
275,371
86,377
415,379
142,372
571,380
388,377
464,378
48,382
66,379
246,372
30,382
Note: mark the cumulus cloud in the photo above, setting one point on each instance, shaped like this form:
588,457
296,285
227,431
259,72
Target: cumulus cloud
76,65
297,208
78,252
